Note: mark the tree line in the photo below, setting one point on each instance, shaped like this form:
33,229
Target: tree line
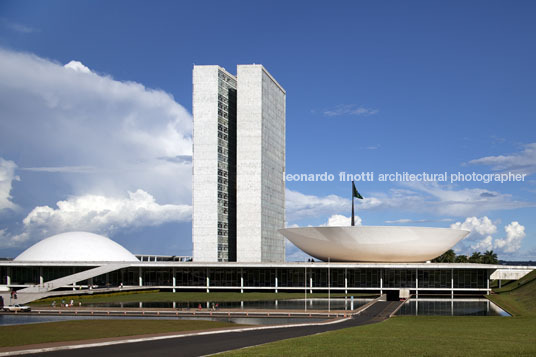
488,257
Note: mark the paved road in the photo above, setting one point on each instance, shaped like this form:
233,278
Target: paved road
208,344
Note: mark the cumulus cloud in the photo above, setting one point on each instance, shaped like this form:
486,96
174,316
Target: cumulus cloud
483,245
115,136
514,235
77,66
482,237
7,176
350,110
482,226
521,162
338,220
98,214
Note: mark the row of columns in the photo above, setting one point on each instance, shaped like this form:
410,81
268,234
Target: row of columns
276,285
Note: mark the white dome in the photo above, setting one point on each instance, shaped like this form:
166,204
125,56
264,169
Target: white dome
76,247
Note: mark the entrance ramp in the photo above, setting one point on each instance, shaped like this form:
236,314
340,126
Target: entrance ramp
40,291
379,310
382,309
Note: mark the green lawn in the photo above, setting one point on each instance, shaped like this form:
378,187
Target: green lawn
155,296
18,335
414,336
428,335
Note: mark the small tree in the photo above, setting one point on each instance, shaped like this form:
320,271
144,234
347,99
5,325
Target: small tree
489,257
476,257
448,257
461,259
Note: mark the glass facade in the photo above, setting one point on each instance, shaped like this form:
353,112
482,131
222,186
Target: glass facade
469,278
399,278
226,167
352,279
363,278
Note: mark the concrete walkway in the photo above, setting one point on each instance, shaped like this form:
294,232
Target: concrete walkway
39,291
210,342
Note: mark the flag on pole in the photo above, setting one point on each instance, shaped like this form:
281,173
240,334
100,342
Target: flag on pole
355,193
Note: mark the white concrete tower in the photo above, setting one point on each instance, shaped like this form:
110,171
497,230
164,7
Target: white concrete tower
214,165
260,188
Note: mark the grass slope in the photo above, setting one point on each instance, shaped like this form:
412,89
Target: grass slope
520,301
18,335
413,336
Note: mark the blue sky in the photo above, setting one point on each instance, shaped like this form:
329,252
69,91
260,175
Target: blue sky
384,86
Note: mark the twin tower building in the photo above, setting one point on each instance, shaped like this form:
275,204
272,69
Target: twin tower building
238,165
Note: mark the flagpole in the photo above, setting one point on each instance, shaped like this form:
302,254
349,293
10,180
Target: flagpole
353,220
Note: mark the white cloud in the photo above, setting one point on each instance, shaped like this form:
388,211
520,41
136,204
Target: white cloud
430,198
338,220
350,110
522,162
17,27
7,176
482,226
514,235
98,214
64,169
481,236
299,205
442,200
117,136
77,66
448,201
483,245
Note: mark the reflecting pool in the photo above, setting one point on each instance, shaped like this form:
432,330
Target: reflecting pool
21,319
295,304
451,307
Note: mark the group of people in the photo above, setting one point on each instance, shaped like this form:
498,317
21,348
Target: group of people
213,307
65,304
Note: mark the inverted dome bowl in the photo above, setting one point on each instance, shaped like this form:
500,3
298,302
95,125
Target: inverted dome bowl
374,243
